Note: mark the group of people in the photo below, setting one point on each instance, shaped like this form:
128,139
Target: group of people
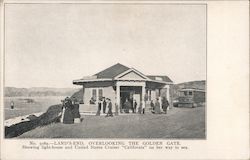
159,104
103,104
71,114
70,111
128,105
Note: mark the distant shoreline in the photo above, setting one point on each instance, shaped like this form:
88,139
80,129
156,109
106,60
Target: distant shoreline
24,105
34,96
38,92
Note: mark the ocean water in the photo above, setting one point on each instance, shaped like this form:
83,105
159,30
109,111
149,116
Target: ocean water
28,105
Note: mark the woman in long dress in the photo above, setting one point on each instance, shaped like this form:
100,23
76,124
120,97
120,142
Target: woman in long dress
68,117
157,107
127,106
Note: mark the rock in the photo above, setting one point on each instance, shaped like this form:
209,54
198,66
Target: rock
32,117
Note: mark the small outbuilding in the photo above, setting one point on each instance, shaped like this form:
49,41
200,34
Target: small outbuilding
191,97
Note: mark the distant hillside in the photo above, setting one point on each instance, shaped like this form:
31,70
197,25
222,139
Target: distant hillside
79,95
38,91
192,84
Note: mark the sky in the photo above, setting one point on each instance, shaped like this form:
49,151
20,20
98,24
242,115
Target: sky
50,45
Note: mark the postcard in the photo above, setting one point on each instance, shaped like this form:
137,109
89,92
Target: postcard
124,79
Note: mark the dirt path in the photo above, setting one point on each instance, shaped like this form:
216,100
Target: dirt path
178,123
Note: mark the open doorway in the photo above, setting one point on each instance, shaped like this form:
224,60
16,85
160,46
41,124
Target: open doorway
130,93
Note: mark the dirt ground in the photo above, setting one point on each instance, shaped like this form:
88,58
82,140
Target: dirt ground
183,123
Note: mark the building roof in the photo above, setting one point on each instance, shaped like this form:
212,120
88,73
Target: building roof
160,78
112,71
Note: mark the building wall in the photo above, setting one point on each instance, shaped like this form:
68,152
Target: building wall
166,91
108,92
87,95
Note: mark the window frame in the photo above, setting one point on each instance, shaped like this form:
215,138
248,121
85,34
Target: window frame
190,92
96,90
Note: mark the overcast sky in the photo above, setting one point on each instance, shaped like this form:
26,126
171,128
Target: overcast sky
49,45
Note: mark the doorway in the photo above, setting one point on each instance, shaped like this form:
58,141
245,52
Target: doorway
130,93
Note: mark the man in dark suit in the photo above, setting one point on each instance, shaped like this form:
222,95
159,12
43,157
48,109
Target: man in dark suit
104,104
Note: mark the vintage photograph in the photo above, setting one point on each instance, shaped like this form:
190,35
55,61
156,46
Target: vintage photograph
109,71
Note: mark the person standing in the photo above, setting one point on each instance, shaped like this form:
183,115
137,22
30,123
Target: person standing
99,107
100,104
152,105
68,116
157,107
127,106
165,104
109,104
132,105
135,105
11,105
76,112
104,104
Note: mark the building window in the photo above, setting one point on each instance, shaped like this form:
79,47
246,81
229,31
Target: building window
190,93
93,97
100,93
96,94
